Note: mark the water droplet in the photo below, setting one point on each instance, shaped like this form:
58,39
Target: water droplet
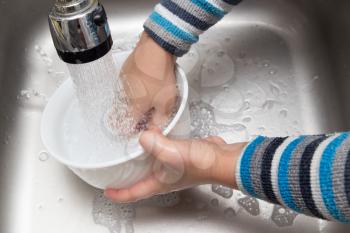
272,72
284,113
211,71
26,94
222,191
44,156
200,205
36,93
226,88
37,48
242,55
250,204
274,88
283,217
229,213
261,129
266,64
268,105
246,105
316,77
284,95
202,217
191,54
214,202
247,119
239,127
220,53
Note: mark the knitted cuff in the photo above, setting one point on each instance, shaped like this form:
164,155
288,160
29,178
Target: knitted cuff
176,24
308,174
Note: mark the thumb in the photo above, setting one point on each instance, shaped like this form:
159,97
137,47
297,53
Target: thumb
153,141
159,146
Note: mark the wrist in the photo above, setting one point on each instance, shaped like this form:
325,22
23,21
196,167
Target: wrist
225,168
152,60
154,48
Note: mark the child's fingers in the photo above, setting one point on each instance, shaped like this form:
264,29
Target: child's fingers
154,129
141,190
215,139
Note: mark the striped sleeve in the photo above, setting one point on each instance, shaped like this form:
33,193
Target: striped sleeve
176,24
308,174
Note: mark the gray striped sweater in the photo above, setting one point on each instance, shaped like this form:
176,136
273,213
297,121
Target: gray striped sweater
309,174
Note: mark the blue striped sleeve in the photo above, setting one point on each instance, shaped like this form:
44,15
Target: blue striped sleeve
176,24
325,176
308,174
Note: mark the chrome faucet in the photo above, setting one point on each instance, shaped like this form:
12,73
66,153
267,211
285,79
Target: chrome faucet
80,30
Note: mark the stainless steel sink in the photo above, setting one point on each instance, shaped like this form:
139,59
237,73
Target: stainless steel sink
291,75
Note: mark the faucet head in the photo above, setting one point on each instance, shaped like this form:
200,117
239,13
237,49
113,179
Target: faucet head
79,30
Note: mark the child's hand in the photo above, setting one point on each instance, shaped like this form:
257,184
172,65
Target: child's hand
149,80
181,164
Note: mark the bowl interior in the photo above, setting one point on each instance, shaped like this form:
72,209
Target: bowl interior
52,124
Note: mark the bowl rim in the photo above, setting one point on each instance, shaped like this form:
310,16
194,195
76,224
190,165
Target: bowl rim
181,78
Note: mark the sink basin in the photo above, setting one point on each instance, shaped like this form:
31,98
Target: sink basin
290,73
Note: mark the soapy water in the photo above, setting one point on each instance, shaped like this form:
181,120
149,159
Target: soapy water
119,218
115,217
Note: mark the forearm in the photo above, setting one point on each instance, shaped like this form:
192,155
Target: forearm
176,24
309,174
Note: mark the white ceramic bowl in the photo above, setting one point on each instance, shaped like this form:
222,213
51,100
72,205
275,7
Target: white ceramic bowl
125,170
